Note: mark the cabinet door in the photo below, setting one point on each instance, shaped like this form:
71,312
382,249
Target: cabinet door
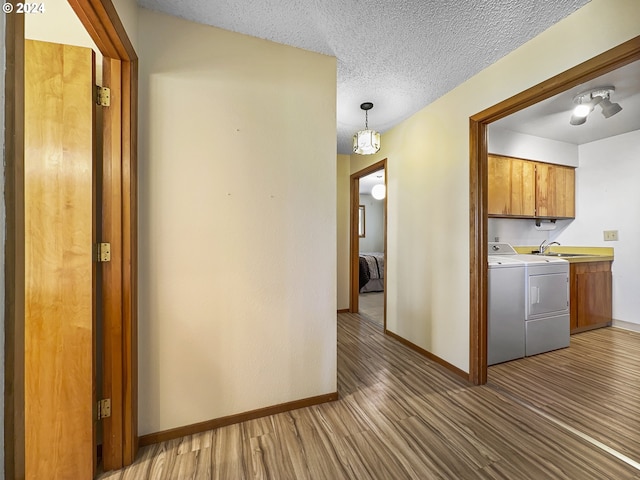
511,186
593,282
555,191
568,186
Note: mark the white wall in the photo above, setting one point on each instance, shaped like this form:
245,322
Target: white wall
428,178
518,231
373,241
609,199
237,265
519,145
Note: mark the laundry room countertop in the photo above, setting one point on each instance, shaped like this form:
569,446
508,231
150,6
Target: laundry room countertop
573,254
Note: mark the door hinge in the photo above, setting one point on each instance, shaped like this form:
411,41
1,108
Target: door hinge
104,252
103,97
104,408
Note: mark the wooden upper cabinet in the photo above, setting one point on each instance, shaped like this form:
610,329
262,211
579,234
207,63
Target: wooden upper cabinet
511,186
555,191
528,189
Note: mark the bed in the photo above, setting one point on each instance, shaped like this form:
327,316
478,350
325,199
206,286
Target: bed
371,272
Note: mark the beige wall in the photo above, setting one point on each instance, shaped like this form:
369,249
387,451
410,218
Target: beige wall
128,13
428,178
343,230
237,264
60,24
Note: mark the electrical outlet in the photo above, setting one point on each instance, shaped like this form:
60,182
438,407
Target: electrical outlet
610,235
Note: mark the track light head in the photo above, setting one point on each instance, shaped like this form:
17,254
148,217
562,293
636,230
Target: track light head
583,109
609,109
577,120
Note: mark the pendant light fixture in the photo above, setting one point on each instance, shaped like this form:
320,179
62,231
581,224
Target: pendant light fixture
366,142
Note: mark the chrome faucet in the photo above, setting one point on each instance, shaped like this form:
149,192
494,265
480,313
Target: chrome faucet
544,245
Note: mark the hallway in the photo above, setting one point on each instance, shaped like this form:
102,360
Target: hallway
399,416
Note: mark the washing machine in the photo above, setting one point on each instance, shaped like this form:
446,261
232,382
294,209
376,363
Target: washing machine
506,309
543,301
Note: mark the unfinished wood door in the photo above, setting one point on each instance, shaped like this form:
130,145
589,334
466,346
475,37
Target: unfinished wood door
59,267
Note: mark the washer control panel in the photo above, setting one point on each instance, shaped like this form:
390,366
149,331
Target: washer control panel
499,248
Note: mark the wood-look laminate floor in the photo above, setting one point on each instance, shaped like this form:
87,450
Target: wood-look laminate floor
371,305
400,416
592,386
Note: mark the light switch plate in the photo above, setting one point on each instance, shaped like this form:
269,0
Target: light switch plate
610,235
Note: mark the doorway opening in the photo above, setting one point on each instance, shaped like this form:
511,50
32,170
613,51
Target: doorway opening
368,252
119,227
608,61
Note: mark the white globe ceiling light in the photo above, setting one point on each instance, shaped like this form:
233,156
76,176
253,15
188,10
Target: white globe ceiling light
586,102
366,142
379,191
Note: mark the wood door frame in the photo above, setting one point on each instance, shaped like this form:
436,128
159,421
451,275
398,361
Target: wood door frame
354,238
608,61
119,226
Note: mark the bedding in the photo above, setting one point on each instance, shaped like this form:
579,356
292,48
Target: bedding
371,276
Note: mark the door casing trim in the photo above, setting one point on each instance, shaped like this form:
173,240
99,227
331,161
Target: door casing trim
354,238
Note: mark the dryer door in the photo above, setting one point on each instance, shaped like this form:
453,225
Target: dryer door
547,295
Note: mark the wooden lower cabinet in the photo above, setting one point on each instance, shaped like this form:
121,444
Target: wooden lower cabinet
590,295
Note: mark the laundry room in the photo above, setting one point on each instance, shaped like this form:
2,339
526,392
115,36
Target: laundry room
564,190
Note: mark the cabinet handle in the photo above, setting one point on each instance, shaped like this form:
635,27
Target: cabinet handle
534,295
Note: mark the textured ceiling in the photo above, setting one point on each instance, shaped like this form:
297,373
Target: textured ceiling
399,54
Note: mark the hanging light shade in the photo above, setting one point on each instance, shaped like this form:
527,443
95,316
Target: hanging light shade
366,142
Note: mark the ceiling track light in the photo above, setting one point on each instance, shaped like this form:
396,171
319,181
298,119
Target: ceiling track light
366,142
587,100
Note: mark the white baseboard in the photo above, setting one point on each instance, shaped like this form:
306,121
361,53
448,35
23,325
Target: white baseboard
626,325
